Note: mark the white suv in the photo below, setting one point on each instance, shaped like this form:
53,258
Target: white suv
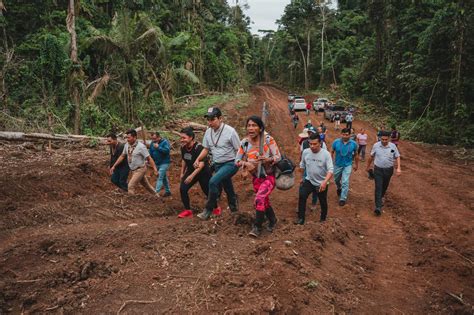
300,103
320,104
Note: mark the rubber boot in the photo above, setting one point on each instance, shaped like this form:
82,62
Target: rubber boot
205,215
301,217
257,227
234,204
272,220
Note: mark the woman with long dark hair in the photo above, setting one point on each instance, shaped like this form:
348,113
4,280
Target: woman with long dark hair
257,155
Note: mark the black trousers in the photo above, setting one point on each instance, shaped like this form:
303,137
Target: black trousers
202,177
382,180
120,176
348,124
306,188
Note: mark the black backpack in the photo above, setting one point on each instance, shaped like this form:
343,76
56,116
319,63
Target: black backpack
284,173
285,165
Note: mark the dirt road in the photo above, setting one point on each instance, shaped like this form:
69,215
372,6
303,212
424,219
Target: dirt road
69,244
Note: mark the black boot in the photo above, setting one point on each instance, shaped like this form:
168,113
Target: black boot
257,227
301,217
234,204
272,220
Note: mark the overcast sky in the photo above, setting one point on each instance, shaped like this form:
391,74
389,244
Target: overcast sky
264,13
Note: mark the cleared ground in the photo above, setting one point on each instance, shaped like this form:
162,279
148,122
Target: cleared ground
70,244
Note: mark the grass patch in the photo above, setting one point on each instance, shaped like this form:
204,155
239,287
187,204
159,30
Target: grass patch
202,104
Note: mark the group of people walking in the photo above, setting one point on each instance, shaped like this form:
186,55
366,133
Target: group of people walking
222,153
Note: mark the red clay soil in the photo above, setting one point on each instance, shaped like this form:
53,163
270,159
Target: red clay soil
70,244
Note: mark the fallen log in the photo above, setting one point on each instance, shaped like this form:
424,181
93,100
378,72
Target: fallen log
21,136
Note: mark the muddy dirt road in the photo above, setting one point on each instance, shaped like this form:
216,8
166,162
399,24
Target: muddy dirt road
70,244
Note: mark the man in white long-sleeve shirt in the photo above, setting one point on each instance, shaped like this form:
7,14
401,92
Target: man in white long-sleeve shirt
319,169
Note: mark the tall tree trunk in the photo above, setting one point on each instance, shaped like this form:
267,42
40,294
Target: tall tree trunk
8,58
76,67
308,50
305,68
458,96
321,78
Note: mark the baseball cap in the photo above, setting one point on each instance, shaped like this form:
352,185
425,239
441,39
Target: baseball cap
213,112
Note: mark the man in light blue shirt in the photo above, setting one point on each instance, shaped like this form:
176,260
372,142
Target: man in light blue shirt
345,151
384,154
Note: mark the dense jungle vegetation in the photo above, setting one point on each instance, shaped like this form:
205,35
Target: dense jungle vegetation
87,66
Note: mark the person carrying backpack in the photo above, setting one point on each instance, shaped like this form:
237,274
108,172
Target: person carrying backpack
257,155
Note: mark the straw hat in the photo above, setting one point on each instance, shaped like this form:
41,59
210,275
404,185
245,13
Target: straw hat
304,134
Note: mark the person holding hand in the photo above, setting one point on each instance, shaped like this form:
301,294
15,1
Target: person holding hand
137,155
257,155
190,175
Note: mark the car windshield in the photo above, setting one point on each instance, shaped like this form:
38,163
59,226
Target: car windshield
300,100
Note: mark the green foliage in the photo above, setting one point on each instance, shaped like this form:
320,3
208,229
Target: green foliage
135,56
399,55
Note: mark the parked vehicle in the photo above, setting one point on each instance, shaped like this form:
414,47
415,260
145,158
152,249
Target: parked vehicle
319,104
331,110
300,103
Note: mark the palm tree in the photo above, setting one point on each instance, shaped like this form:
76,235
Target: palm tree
136,56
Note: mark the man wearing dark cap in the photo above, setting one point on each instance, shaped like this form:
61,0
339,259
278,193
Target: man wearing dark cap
384,154
223,142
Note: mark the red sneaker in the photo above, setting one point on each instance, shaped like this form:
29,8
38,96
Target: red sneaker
185,214
217,211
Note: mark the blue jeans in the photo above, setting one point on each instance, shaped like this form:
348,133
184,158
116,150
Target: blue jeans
163,178
120,176
342,175
222,178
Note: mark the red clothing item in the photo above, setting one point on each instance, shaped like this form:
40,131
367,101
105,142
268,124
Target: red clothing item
308,106
263,187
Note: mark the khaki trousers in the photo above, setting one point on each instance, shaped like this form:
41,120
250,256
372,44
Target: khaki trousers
138,176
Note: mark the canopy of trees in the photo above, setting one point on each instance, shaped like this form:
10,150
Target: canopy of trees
414,59
92,65
95,64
